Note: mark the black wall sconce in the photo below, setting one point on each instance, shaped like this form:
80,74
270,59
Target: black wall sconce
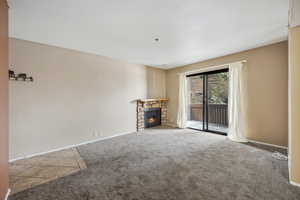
19,77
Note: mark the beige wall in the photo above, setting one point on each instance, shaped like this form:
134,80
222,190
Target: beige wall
268,90
294,58
75,97
3,98
156,82
294,13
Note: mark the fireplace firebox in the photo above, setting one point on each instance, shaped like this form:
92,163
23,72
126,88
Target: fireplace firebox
152,117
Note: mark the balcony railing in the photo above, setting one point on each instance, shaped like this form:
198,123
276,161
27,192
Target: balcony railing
217,113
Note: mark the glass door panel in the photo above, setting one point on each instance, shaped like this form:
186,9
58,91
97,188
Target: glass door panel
195,102
217,102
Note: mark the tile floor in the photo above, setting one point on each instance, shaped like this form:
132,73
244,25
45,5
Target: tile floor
30,172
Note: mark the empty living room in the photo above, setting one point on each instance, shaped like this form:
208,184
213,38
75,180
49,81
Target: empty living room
149,100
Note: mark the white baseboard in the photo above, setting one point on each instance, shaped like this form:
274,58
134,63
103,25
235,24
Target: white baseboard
70,146
272,145
295,184
7,194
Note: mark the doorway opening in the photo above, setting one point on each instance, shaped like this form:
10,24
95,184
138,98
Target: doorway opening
208,101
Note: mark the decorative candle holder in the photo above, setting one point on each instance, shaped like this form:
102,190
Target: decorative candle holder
19,77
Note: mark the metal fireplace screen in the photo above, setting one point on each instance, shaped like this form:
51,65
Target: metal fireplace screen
152,117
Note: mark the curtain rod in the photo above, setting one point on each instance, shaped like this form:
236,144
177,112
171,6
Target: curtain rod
210,68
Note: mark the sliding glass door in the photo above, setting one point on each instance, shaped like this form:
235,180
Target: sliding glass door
208,101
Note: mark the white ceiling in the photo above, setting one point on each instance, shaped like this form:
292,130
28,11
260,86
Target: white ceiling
188,31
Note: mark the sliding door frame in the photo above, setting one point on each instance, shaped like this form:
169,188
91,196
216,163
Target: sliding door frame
205,99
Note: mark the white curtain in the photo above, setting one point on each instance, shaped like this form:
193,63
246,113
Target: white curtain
182,102
237,104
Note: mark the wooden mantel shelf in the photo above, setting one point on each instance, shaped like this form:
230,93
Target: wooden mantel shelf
149,100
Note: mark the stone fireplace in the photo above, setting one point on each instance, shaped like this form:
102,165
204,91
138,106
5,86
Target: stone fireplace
151,112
